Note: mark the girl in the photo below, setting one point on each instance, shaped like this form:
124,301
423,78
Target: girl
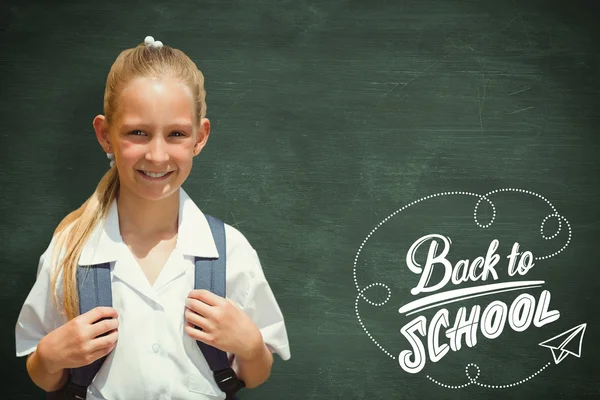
141,222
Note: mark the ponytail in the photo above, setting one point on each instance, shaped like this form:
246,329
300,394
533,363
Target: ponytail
81,223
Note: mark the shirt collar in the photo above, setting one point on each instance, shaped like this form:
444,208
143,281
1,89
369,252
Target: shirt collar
104,243
194,238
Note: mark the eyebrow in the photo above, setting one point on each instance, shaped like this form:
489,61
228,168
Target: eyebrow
184,125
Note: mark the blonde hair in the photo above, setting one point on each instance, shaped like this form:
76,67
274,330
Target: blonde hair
141,61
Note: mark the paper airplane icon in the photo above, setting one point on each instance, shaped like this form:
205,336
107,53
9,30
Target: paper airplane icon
566,343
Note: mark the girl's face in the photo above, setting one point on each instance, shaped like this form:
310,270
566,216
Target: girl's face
153,137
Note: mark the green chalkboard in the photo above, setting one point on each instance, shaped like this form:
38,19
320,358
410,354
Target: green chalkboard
344,134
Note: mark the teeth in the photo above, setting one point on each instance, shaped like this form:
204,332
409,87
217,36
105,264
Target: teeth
153,175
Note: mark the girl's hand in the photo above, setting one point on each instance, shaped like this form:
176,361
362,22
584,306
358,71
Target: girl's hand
220,323
80,341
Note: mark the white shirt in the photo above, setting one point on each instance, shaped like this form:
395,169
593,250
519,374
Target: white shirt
154,357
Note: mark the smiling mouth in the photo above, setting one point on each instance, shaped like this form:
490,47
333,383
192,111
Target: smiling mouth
154,175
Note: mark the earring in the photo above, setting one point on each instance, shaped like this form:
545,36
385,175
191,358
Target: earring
111,157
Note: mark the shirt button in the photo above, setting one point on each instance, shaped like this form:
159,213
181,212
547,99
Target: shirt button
156,347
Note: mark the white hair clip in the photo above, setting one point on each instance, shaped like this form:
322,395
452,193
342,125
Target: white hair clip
111,157
150,42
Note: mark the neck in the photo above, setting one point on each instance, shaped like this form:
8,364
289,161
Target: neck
149,218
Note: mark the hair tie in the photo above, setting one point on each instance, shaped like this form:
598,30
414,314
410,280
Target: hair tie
111,157
150,42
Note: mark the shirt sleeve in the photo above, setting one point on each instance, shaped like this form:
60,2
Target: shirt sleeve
253,293
263,309
38,315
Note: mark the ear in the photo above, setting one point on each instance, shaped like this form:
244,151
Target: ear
202,136
102,133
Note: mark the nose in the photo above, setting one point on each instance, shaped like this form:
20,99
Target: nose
157,151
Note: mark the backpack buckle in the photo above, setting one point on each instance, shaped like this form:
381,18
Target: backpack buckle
228,381
76,392
71,391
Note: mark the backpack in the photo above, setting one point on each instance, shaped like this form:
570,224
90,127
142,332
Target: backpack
94,287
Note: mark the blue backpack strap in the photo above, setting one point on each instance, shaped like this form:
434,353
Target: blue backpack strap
210,274
95,290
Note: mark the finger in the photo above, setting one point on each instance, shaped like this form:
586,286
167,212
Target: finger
104,342
198,321
104,350
104,326
98,313
199,307
197,334
206,296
